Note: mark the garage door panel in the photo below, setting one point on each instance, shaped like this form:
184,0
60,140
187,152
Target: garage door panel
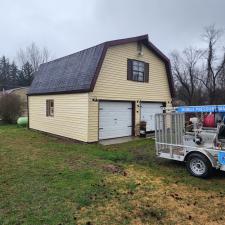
115,119
105,134
148,111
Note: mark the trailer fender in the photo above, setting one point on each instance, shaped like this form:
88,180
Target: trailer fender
205,153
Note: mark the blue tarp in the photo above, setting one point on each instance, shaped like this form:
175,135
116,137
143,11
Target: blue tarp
203,108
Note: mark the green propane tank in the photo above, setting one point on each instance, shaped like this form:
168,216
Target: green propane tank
22,121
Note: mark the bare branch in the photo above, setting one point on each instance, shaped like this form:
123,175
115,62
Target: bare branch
212,34
222,65
34,55
185,70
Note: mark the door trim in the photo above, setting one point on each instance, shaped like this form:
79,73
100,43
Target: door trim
133,104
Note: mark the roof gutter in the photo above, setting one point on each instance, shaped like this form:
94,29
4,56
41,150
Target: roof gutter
61,92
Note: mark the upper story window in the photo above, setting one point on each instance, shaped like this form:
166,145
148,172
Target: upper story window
137,70
50,107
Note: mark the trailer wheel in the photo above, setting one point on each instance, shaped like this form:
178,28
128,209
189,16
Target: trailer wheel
199,165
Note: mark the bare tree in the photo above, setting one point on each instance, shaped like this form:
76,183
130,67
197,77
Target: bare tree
221,84
214,65
185,71
33,55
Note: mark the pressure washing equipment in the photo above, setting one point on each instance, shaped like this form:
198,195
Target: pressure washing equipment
181,135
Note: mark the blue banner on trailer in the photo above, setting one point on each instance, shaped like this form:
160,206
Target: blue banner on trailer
221,158
203,108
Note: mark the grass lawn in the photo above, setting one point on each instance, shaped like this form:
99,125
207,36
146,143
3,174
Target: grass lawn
44,180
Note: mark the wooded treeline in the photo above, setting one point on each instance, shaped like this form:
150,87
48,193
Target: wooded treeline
20,73
199,73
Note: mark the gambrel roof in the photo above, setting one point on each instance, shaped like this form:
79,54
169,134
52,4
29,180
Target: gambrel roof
78,72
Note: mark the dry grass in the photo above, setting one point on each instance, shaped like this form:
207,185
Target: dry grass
142,198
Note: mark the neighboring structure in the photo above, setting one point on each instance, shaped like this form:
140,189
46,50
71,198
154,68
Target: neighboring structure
22,92
101,92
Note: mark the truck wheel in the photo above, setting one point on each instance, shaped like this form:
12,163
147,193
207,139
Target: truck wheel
199,165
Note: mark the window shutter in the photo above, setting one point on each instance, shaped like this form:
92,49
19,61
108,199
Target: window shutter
146,72
129,69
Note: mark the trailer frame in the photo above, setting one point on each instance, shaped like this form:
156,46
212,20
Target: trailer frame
173,142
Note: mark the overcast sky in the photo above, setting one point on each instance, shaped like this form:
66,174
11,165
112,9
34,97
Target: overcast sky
66,26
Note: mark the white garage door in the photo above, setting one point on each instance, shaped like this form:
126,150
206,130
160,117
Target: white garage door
148,111
115,119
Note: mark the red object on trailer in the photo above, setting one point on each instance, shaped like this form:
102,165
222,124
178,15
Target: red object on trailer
209,120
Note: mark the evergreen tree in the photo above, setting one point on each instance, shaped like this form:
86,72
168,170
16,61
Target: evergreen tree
26,75
4,73
13,74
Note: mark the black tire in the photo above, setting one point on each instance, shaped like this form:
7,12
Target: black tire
198,165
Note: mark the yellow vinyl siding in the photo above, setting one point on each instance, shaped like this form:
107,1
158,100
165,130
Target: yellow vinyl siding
93,121
70,115
112,83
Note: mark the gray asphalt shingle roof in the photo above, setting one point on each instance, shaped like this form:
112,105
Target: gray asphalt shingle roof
70,73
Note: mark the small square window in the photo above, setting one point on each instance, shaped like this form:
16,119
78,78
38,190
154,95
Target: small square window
50,107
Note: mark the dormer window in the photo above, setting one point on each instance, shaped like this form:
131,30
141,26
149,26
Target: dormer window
137,70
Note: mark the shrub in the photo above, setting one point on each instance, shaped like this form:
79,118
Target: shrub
10,107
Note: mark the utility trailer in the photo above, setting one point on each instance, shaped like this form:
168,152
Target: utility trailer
202,149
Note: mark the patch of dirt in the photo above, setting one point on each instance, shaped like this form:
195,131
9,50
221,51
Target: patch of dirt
116,169
80,162
75,163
